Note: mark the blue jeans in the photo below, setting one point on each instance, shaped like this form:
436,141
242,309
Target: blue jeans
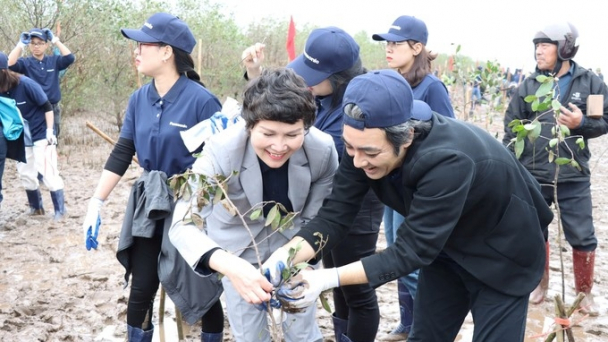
392,220
3,149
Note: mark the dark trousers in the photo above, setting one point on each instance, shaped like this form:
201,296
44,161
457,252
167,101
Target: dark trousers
57,119
3,150
575,205
447,292
144,285
358,303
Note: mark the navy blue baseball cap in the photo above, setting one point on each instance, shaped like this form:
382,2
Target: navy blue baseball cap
386,100
328,50
3,61
36,32
405,28
163,28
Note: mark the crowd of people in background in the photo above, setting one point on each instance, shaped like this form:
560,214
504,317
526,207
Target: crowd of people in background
347,149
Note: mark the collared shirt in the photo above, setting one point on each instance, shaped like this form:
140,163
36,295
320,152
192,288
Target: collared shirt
45,72
275,184
30,99
154,123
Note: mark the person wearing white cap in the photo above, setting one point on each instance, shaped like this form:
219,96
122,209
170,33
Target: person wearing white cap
406,52
330,60
467,201
172,102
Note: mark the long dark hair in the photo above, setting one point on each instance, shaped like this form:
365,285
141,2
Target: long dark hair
340,80
421,66
185,65
8,80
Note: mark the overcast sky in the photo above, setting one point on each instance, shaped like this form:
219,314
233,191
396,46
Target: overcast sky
486,30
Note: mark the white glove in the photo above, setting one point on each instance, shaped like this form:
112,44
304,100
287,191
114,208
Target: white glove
50,137
274,266
303,289
90,226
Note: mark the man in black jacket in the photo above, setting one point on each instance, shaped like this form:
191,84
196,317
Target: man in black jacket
555,46
474,216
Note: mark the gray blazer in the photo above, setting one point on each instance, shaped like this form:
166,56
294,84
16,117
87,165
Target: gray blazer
311,170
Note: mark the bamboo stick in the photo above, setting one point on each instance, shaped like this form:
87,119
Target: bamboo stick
106,137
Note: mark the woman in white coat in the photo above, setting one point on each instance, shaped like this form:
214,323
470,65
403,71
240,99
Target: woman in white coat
279,158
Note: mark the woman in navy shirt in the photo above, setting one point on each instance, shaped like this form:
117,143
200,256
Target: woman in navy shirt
40,141
174,101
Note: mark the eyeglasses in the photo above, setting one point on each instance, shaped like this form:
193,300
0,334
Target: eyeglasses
393,44
140,44
38,44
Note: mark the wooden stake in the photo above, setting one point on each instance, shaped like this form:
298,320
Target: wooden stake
200,57
161,315
106,137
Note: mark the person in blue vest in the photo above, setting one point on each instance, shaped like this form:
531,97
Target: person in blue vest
41,155
330,61
41,67
174,101
406,52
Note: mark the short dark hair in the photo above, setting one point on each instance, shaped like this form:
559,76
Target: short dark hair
396,135
278,94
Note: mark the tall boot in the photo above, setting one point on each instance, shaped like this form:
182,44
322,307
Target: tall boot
584,263
540,292
58,203
340,327
139,335
34,198
406,312
212,337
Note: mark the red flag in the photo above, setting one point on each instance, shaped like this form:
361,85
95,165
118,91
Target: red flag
451,63
291,40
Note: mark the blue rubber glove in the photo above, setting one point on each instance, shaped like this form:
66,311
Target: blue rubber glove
49,35
92,233
25,38
274,303
91,224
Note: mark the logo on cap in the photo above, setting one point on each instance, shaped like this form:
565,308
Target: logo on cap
314,60
148,25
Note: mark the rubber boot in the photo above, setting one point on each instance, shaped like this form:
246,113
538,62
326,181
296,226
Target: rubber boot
58,203
212,337
406,312
540,292
139,335
340,326
584,263
34,198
